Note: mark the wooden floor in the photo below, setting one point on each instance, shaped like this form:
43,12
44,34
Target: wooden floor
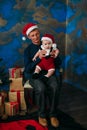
73,102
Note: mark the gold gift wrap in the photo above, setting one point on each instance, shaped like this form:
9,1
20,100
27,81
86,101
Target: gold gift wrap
15,72
11,108
16,84
19,97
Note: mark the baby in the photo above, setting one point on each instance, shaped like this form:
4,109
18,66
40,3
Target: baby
47,62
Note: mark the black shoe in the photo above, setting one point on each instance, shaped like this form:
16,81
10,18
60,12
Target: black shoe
35,76
44,79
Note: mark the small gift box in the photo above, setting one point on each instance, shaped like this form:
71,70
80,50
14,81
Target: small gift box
11,108
18,96
3,96
1,109
1,99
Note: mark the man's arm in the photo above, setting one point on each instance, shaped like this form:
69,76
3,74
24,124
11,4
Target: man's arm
28,63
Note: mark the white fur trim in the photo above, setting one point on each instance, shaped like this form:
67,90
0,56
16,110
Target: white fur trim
31,29
51,69
46,38
54,46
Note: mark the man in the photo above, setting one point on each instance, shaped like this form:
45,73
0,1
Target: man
40,88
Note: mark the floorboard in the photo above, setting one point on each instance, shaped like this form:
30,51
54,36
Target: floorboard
73,102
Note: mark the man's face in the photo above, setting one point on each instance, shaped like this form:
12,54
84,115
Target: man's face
35,36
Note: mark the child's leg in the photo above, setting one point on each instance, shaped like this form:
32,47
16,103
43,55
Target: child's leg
46,77
37,70
50,72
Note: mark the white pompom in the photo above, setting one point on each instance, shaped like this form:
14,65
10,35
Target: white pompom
23,38
54,46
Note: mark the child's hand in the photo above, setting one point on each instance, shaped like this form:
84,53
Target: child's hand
42,54
34,59
54,53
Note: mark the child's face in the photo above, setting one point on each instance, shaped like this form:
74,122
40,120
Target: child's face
46,44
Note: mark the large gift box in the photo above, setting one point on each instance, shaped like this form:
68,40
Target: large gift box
16,84
11,108
19,97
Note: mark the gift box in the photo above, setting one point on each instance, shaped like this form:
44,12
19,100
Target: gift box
18,96
1,100
11,108
1,109
16,84
3,96
15,72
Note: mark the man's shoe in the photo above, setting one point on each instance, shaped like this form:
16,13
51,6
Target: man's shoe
54,122
43,121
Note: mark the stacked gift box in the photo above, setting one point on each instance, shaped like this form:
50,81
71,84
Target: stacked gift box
11,108
16,101
3,96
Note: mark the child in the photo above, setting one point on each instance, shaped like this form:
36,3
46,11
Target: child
47,62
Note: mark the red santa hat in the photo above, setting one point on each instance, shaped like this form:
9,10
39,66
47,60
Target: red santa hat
27,29
48,37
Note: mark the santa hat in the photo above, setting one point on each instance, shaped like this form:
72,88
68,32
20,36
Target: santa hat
48,37
27,29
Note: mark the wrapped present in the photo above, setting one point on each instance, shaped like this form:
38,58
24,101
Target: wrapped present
19,97
1,109
3,96
11,108
16,84
1,100
15,72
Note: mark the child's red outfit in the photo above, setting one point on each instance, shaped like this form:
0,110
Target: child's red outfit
46,63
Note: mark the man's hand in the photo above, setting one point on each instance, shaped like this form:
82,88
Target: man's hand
42,54
52,53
